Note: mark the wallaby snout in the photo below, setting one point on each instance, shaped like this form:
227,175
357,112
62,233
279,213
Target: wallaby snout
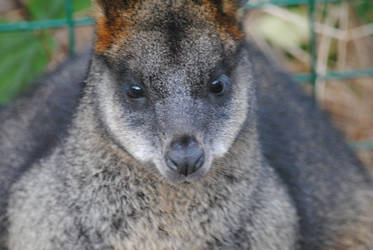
185,155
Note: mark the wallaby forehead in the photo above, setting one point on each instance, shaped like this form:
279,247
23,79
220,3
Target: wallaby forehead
118,20
153,59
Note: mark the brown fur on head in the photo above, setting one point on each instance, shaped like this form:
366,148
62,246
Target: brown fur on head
117,19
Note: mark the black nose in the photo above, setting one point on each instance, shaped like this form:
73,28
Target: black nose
185,155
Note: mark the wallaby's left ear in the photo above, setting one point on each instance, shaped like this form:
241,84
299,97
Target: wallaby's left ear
231,8
239,14
230,15
115,19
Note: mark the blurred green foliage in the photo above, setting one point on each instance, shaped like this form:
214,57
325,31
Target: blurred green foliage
364,10
25,55
282,33
286,35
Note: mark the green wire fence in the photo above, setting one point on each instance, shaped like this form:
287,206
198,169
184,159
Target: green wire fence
310,77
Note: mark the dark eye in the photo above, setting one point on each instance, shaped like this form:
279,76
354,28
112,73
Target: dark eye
218,86
135,91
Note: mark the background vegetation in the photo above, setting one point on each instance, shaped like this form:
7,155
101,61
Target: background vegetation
345,41
24,55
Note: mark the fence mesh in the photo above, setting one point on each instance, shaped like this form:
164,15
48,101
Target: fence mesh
309,77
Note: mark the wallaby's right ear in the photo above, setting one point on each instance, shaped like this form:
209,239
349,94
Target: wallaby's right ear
111,8
113,21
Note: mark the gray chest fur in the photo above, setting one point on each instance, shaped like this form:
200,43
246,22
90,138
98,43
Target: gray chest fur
96,201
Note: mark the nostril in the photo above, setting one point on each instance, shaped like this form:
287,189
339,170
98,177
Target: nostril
171,164
199,162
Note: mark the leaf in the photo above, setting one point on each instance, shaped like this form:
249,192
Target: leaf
364,9
79,5
23,58
46,9
24,54
282,33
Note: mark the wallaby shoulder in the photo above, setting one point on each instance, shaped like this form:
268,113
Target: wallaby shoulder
330,186
136,209
32,124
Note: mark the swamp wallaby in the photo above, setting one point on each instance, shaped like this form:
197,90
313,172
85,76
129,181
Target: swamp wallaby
183,137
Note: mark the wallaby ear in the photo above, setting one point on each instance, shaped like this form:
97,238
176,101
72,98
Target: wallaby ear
112,8
240,12
238,3
241,3
229,14
231,8
113,19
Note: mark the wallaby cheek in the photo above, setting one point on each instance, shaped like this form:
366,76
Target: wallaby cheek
225,130
127,128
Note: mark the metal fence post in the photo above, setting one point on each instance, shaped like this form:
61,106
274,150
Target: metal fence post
312,45
71,24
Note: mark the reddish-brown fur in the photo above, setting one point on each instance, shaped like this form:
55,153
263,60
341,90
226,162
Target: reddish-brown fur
115,24
225,21
112,23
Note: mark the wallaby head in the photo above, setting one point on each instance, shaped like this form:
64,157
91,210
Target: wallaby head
173,89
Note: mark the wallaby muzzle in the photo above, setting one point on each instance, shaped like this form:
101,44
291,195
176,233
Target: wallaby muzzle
185,155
